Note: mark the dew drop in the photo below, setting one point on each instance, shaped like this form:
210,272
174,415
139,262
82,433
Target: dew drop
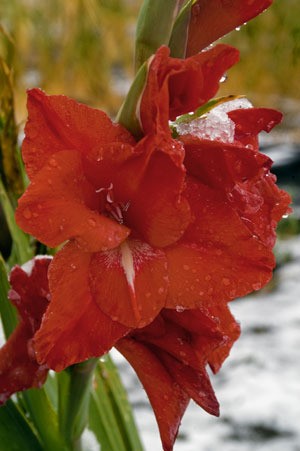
180,308
256,286
92,222
27,213
223,78
53,163
226,281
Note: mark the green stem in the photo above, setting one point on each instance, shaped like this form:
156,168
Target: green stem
44,419
74,396
154,27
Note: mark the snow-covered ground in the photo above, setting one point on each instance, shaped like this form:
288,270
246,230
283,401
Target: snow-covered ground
259,385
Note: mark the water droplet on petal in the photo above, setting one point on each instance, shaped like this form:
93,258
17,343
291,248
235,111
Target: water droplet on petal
223,78
53,163
256,286
180,308
92,222
27,213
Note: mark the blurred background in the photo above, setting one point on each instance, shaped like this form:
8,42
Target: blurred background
84,49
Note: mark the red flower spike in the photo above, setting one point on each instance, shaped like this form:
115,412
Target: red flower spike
74,328
201,216
212,19
58,123
169,357
19,369
176,87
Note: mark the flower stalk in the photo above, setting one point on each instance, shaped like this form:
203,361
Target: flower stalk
163,15
74,396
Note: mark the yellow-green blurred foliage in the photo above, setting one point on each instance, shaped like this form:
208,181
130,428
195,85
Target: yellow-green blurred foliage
76,47
84,48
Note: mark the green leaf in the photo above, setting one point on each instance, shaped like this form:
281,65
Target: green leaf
74,396
154,27
22,249
7,310
111,411
15,432
128,114
44,418
179,36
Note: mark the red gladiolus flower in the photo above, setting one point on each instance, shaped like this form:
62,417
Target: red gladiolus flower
170,356
162,223
19,369
212,19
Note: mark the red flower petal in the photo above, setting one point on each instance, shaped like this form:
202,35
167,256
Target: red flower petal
18,367
230,329
195,383
203,332
176,86
157,209
58,123
219,258
168,400
243,176
60,204
18,370
73,328
130,283
251,121
146,183
211,19
222,166
173,339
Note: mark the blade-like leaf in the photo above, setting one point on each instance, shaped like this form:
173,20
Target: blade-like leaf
110,411
44,418
7,310
22,249
154,27
15,432
179,36
128,114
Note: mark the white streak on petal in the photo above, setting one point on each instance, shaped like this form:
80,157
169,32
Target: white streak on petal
127,264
